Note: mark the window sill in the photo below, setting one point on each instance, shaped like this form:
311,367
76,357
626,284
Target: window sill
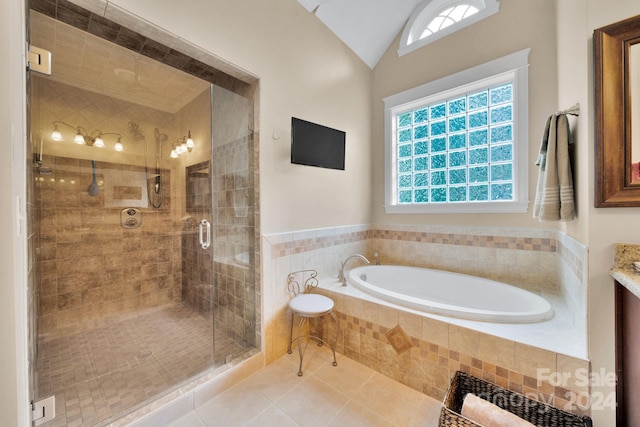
496,207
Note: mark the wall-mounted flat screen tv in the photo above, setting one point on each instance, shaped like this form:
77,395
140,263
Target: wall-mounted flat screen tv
316,145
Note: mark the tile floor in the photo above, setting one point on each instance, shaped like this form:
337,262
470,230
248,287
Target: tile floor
100,374
349,394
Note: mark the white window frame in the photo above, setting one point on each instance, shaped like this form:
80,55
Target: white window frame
513,67
426,11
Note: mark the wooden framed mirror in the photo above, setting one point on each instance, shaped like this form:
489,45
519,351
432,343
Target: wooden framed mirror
617,94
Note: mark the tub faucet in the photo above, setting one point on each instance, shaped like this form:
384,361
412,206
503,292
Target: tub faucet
344,263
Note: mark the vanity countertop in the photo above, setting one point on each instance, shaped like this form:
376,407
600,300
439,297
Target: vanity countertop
623,271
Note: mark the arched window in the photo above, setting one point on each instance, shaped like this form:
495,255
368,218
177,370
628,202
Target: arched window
434,19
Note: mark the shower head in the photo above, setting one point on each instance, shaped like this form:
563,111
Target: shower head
136,133
161,137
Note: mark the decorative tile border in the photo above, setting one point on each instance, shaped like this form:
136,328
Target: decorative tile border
443,363
480,241
527,257
307,244
573,260
294,247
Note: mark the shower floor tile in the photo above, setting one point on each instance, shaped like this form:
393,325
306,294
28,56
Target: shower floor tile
100,374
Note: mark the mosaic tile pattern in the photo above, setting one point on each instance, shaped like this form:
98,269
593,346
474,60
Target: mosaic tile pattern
282,249
100,374
574,261
481,241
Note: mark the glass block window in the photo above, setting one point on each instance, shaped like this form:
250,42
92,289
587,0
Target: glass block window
460,149
467,143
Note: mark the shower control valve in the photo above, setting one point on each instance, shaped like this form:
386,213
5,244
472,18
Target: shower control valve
130,218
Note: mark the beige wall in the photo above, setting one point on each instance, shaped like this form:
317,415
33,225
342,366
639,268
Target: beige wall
304,71
520,24
598,229
605,226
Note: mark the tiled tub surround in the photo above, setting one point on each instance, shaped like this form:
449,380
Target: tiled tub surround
440,346
544,261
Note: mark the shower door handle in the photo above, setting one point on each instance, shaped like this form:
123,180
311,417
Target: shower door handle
204,242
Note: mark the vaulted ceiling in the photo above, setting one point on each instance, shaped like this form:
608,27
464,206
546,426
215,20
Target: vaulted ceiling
368,27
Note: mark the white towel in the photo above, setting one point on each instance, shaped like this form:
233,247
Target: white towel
554,192
487,414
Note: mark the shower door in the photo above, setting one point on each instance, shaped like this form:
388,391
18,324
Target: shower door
143,191
236,293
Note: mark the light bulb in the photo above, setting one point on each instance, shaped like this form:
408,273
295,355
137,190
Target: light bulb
183,147
190,142
174,154
78,139
98,142
118,146
56,135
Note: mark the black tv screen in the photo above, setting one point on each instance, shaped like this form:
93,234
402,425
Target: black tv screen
316,145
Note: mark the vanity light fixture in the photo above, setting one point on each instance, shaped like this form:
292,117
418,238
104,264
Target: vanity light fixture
190,143
84,137
182,145
56,135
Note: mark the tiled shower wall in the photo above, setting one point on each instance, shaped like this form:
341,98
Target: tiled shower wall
237,294
545,261
197,269
91,267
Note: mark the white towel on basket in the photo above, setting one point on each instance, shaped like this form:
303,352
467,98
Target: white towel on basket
489,415
554,192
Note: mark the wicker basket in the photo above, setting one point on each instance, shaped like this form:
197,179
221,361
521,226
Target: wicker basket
535,412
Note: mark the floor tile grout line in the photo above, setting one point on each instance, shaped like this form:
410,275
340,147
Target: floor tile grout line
271,405
297,386
352,398
349,400
415,415
373,409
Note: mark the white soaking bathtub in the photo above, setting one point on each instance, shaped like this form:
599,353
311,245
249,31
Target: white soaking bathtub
451,294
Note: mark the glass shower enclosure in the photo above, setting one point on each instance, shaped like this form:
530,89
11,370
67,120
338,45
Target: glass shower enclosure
145,235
